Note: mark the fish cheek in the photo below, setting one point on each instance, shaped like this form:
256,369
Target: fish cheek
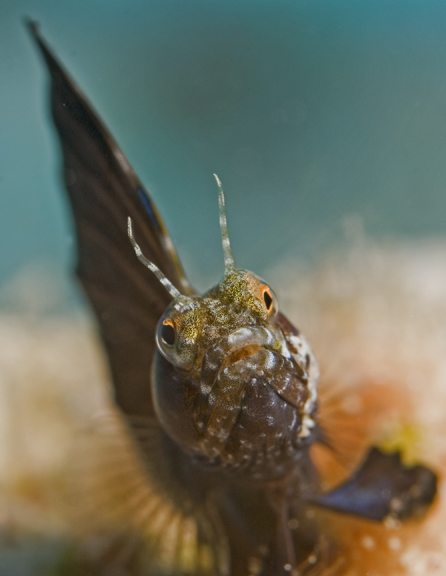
174,398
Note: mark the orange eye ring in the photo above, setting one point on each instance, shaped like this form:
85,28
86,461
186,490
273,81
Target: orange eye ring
168,333
267,298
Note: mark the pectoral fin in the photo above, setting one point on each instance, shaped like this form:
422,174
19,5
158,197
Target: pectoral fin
383,487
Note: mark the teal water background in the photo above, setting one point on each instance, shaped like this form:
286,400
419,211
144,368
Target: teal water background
314,114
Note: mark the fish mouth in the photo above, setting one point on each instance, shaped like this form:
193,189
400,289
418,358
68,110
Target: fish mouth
238,345
241,353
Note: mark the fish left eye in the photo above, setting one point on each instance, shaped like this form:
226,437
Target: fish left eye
268,299
168,335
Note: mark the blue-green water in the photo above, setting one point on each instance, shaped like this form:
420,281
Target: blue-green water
311,112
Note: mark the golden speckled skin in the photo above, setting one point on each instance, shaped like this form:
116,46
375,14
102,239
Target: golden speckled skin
199,321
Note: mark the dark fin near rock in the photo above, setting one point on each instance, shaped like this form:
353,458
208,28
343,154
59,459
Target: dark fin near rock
383,487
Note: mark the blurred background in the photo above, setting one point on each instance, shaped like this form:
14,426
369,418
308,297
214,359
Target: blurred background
326,122
319,117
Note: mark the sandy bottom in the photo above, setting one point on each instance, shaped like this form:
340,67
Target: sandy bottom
376,318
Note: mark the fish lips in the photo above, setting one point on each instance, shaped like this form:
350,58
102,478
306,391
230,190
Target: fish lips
244,342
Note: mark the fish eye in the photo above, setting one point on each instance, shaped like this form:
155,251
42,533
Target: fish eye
268,298
168,333
176,334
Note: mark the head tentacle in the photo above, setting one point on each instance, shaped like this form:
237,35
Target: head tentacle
229,258
150,265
